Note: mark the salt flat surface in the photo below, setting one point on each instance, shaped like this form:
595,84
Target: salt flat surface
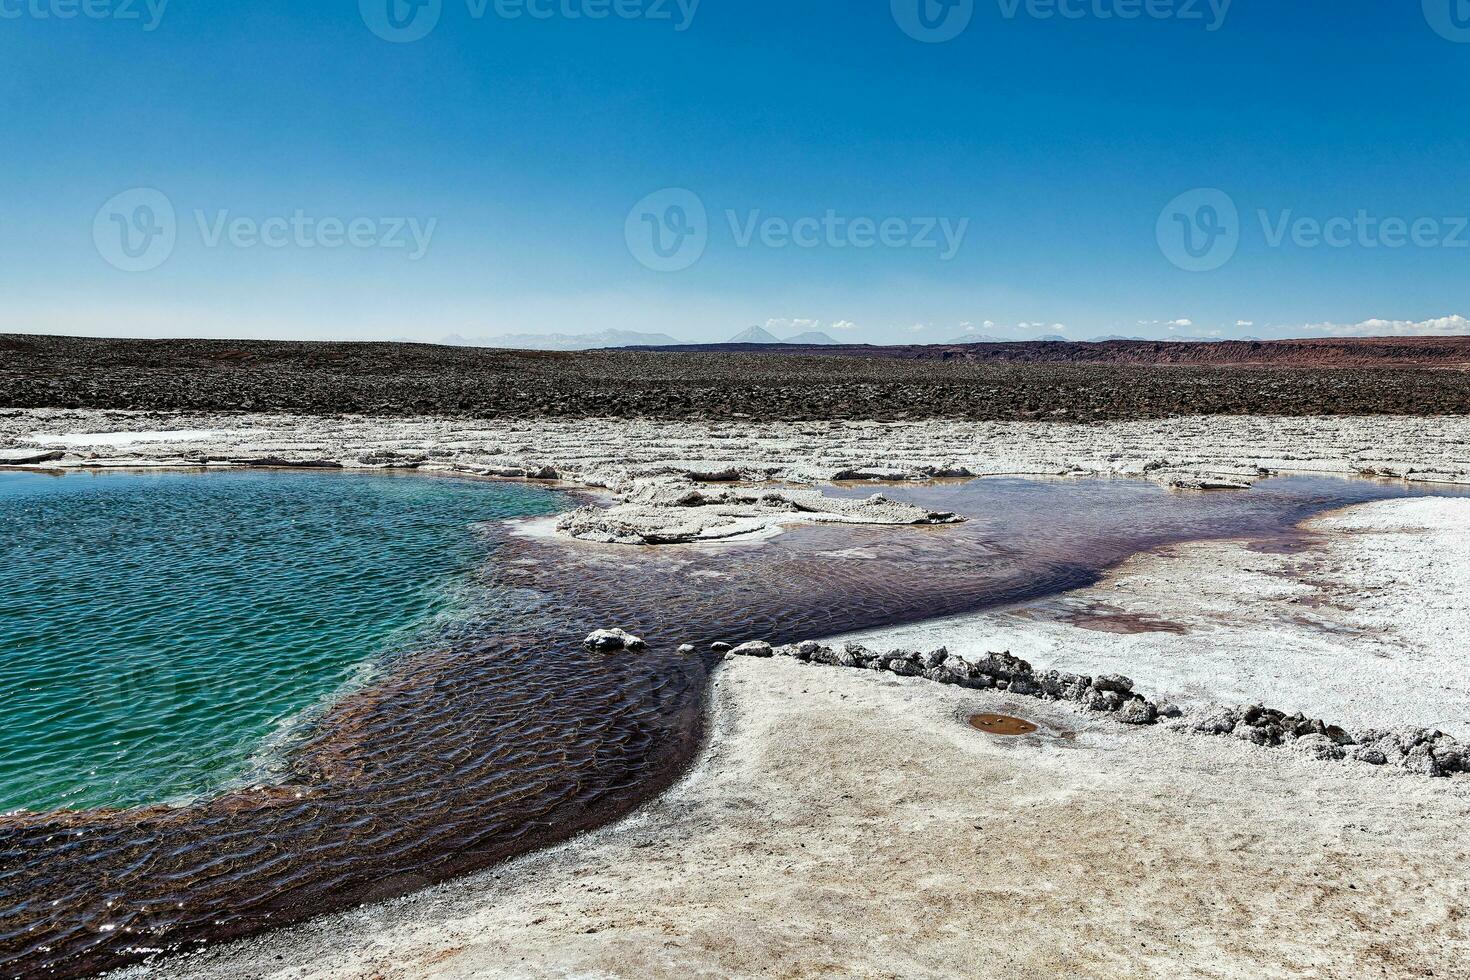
113,440
848,823
649,468
1366,628
1419,449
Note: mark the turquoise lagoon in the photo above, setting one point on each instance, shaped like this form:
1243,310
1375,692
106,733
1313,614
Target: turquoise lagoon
163,633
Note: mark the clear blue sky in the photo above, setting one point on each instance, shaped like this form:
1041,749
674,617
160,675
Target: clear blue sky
520,147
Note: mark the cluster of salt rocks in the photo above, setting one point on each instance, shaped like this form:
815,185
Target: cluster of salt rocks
1110,693
1422,750
1425,751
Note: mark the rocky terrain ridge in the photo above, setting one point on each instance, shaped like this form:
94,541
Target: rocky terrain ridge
1079,382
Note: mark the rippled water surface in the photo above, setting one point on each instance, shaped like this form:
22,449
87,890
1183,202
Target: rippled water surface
160,633
503,734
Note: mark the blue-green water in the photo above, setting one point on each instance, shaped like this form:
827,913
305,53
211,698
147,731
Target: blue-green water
161,632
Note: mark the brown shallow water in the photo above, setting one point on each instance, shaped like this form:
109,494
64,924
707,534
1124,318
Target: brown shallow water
1001,725
462,756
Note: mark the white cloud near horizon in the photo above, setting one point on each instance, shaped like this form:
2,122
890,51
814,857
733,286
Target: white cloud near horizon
1444,326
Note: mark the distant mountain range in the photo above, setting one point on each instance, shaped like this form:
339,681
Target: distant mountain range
754,335
811,337
979,338
985,338
760,335
751,335
622,338
564,341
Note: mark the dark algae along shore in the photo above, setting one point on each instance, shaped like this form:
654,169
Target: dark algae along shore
508,735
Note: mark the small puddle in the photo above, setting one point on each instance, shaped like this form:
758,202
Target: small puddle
1106,620
1001,725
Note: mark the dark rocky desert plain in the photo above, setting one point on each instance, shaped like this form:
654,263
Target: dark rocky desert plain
1116,380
